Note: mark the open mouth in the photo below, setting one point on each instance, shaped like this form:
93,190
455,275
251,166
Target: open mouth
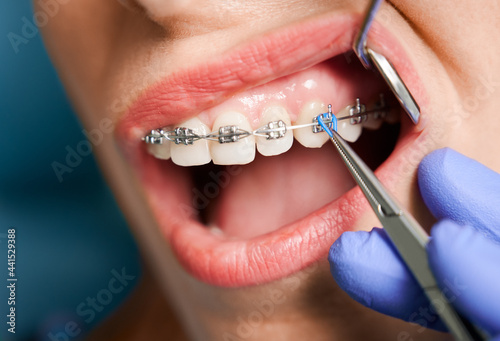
256,210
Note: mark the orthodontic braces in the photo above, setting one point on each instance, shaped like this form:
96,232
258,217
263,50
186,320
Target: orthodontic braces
272,131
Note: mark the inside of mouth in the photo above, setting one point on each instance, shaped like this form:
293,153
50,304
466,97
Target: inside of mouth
245,201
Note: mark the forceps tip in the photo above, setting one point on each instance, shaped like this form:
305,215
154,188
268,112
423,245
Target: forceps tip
324,126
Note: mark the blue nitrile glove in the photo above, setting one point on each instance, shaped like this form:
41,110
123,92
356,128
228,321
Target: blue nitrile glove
464,250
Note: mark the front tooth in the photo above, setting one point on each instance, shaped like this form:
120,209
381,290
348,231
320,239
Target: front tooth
275,146
160,151
196,153
348,131
233,153
305,136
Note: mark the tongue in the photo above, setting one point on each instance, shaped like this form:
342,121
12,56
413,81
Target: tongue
275,191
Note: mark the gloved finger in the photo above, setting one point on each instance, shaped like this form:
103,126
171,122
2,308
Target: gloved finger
367,266
466,266
456,187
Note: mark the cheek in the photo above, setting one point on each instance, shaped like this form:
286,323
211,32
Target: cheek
81,40
80,34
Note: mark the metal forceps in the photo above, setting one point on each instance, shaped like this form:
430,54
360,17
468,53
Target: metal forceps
407,236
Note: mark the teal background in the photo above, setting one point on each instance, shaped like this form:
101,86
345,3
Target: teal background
70,235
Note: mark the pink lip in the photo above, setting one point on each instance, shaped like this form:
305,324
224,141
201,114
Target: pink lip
184,94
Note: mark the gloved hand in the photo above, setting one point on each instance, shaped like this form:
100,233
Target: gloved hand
464,250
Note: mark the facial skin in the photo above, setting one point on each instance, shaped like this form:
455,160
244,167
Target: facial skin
107,53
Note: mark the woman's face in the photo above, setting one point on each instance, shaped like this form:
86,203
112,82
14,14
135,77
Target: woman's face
241,247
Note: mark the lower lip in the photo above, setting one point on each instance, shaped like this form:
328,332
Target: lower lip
234,263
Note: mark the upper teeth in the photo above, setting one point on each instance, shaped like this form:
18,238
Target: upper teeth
228,152
233,141
278,139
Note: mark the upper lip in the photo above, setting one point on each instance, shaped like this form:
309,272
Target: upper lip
187,92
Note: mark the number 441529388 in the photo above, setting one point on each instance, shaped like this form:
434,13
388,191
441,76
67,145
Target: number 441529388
11,252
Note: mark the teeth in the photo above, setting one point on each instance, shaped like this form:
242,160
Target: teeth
392,117
275,146
305,136
233,153
160,151
233,140
350,132
372,122
195,154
